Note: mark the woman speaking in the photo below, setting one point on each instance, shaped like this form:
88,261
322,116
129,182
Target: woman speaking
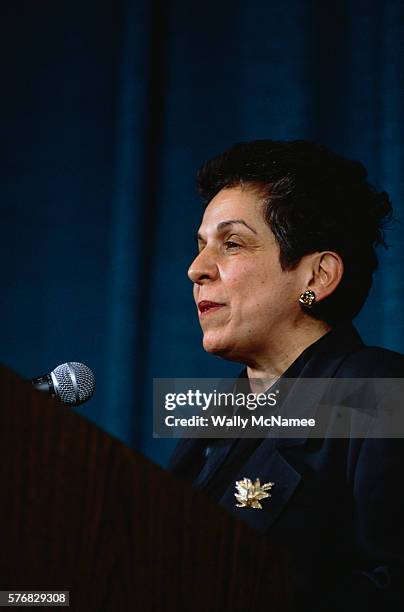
286,259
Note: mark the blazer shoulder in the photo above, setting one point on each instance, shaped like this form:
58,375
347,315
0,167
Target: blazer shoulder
372,362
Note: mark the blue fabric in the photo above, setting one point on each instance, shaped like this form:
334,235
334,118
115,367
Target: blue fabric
108,109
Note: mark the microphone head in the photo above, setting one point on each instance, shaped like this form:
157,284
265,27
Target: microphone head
74,382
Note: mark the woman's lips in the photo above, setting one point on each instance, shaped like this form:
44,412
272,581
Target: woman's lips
205,307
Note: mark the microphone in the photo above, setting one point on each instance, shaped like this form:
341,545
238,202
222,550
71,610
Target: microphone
72,383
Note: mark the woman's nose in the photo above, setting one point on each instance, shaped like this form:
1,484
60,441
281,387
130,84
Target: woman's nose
203,268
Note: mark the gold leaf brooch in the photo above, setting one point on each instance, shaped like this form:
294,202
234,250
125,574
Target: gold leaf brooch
249,494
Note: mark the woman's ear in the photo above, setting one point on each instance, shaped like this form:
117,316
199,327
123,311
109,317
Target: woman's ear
327,269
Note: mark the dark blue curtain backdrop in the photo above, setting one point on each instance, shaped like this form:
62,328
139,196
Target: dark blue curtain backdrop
107,110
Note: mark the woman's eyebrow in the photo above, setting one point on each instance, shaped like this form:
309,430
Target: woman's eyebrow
224,224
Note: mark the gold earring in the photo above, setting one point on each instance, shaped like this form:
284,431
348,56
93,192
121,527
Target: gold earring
308,298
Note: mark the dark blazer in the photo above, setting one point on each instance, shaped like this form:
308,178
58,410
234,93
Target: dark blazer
337,504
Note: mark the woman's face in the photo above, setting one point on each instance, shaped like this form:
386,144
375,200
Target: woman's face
246,302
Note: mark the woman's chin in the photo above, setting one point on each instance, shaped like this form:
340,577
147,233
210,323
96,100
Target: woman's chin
214,345
220,348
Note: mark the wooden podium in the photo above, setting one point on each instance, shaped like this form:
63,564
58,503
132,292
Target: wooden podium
81,512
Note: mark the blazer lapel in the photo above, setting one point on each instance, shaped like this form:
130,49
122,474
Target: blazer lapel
268,465
203,457
217,453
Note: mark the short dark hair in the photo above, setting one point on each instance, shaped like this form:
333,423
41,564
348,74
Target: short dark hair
315,200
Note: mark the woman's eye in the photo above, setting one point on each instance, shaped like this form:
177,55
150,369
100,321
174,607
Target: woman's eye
229,244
